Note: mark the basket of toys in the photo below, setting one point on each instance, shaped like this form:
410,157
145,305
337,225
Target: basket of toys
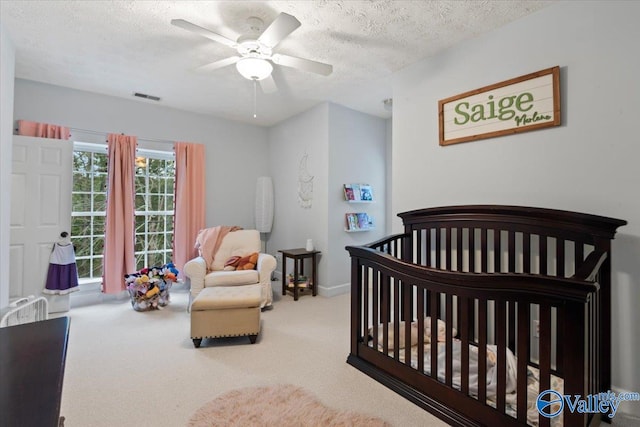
149,287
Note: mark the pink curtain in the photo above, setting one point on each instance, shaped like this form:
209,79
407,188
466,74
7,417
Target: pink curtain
42,130
119,257
189,216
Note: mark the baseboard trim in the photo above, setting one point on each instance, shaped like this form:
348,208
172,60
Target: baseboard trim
334,290
631,408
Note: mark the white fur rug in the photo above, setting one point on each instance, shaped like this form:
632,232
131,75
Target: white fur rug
282,405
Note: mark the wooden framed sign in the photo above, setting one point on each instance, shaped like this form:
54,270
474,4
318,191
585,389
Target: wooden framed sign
517,105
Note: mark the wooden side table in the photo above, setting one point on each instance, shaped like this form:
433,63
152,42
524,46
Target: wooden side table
299,255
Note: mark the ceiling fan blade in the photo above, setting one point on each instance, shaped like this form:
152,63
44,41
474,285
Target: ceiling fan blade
219,64
268,85
283,25
186,25
303,64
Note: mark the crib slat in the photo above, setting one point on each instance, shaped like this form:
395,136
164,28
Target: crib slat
421,314
427,247
358,324
591,345
464,342
483,250
482,350
511,325
526,253
501,344
365,301
435,303
395,297
407,297
598,344
543,255
523,359
438,248
375,308
418,248
472,249
448,339
579,255
497,255
574,368
560,341
459,265
448,250
560,257
545,352
384,311
512,250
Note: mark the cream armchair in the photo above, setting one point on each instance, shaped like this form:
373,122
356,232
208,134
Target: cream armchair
236,243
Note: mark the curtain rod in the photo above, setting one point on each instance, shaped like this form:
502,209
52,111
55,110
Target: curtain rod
95,132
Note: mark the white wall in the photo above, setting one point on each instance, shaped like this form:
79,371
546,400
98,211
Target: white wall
588,164
305,133
343,146
357,154
389,214
7,73
235,153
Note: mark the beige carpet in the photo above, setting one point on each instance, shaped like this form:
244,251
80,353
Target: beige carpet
282,405
129,369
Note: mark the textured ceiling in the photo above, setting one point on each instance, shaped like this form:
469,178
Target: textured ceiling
121,47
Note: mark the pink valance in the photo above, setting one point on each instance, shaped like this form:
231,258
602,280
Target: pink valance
42,130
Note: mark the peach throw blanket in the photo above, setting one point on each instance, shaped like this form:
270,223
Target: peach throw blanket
209,240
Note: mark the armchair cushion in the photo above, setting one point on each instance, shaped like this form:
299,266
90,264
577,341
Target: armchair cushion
231,278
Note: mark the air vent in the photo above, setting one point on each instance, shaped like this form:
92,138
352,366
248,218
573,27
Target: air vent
145,96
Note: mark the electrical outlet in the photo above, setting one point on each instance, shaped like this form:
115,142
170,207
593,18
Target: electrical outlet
536,328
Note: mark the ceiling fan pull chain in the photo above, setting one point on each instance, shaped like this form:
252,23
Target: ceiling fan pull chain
255,82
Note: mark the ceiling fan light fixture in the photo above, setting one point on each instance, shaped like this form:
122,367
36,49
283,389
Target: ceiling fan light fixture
254,68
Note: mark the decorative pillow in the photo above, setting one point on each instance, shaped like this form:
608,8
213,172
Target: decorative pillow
231,263
242,263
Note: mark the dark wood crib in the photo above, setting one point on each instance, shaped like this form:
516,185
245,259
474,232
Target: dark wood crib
505,280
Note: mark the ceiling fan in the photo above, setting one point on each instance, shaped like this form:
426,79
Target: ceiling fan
255,54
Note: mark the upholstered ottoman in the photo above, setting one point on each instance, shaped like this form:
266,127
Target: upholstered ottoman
226,311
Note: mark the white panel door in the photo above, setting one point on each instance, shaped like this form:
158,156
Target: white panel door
41,186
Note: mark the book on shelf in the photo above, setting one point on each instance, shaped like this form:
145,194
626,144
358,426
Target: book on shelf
302,282
348,192
364,222
356,192
366,193
358,221
352,221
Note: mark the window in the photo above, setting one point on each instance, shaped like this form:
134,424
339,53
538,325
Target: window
154,207
88,208
155,175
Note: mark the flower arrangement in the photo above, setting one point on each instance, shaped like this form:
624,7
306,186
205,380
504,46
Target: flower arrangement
149,287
